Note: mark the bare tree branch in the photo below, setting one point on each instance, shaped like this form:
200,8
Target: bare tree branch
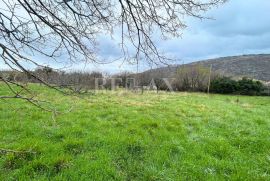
51,28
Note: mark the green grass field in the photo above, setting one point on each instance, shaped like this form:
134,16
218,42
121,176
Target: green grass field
128,136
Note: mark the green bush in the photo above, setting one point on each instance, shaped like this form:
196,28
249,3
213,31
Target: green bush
223,85
250,87
245,86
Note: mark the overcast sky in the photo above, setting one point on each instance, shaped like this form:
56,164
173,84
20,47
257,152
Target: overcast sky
240,27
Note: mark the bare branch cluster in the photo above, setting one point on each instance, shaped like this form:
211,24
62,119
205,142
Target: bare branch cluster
53,28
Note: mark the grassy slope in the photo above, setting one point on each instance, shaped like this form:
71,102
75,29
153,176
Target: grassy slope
126,136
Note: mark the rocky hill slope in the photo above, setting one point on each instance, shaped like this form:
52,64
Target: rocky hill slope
252,66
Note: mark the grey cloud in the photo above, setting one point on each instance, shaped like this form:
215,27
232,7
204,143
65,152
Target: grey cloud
239,17
240,27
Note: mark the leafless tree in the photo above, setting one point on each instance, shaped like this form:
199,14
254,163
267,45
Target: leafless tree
51,28
192,78
126,79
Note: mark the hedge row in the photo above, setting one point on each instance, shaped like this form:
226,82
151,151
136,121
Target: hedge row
245,86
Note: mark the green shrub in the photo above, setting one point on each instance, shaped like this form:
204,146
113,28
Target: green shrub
245,86
248,86
223,85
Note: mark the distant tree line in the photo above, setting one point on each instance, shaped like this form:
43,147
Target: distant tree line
190,78
198,78
77,81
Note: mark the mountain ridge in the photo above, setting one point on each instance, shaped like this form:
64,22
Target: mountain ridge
256,66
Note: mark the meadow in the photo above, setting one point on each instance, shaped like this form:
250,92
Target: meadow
119,135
